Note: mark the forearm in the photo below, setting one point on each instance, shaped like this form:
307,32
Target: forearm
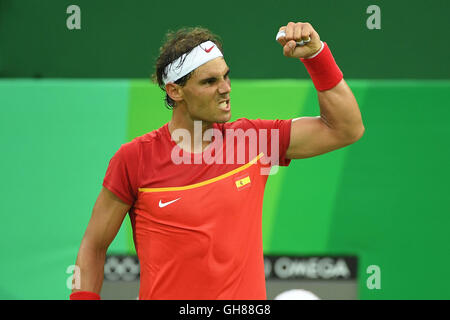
340,122
107,217
90,261
339,110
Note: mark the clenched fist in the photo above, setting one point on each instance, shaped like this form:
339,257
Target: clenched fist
295,32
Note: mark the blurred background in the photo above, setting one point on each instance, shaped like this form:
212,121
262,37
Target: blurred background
369,221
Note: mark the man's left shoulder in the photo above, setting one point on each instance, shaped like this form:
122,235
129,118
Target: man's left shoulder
241,123
245,123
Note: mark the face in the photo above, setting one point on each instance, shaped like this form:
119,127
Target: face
207,92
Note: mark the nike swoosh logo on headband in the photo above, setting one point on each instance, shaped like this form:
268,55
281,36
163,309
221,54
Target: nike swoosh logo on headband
209,50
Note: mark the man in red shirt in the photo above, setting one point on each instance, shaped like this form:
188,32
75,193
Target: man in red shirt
194,187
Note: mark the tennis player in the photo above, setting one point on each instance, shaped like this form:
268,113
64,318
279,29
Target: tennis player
194,187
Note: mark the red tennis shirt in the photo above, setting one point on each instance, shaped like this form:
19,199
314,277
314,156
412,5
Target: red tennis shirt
197,226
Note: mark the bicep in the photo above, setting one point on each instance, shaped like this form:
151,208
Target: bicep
107,216
310,136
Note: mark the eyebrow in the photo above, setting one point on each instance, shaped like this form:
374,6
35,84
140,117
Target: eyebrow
214,78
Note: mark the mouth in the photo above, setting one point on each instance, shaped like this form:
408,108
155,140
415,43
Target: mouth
225,105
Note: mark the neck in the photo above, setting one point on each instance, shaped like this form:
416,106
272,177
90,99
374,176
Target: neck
181,119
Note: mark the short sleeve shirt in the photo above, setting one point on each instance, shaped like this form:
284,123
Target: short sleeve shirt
197,217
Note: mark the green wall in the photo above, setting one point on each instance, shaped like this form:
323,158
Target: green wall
384,198
120,39
57,138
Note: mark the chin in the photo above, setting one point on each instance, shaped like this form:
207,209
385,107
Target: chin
225,118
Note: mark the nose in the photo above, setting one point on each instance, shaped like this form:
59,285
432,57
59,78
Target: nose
225,86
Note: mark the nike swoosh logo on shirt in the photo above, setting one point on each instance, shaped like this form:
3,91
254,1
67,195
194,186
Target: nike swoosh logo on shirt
163,204
208,50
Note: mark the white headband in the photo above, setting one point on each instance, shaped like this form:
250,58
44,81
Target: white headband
200,55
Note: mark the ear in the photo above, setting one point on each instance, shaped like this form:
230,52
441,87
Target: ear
174,91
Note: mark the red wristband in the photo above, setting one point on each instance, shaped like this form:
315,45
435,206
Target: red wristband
84,295
324,72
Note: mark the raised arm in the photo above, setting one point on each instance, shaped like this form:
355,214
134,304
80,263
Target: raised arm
340,122
107,217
